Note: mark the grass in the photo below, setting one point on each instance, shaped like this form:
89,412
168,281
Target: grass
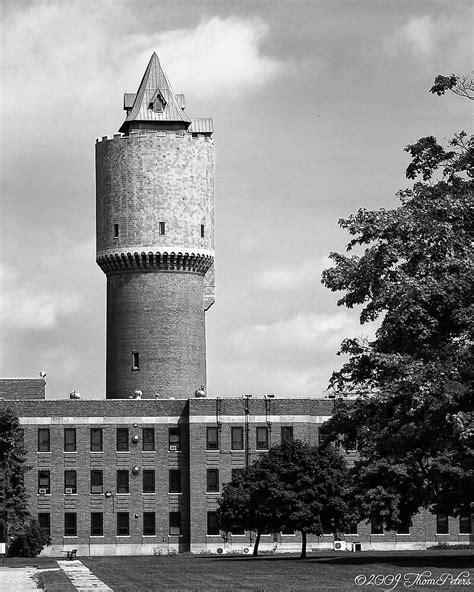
324,571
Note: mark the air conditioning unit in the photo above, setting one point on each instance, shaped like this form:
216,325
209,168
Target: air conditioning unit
42,491
174,448
220,551
340,546
68,490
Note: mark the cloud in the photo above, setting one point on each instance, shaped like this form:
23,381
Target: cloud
300,333
220,56
424,36
50,293
293,277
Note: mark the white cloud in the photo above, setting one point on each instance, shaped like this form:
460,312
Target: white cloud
218,57
424,36
51,291
302,333
293,277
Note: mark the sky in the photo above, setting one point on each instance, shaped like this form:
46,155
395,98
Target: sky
313,103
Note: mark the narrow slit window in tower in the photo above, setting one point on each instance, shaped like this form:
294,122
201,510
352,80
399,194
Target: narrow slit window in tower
161,228
202,230
116,230
136,360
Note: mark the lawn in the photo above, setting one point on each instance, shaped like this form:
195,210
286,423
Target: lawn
328,571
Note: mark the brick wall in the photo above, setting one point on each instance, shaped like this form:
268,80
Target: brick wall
22,388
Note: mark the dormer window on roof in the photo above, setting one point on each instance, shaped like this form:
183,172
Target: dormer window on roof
157,103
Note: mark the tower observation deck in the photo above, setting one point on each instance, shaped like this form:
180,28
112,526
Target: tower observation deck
155,242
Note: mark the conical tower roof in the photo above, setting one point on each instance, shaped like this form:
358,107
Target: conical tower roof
155,101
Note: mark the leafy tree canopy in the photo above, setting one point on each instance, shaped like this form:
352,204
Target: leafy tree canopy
459,85
13,497
414,382
292,487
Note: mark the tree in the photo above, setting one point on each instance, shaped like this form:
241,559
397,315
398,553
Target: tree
13,499
459,85
293,487
29,540
413,411
243,504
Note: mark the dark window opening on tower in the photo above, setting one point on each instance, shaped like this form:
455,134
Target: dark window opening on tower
161,228
136,360
202,230
116,230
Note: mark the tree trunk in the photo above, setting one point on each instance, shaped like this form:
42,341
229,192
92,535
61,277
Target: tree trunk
303,545
257,541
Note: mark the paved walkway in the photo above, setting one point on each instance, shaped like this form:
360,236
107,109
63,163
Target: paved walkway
82,578
18,579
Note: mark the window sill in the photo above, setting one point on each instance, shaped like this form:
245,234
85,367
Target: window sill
96,451
70,536
149,536
149,451
213,492
70,494
175,493
70,451
96,536
212,450
122,451
149,492
122,536
44,451
122,493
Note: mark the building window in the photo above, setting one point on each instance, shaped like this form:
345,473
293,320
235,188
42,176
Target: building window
212,438
323,434
70,481
212,524
123,482
376,526
70,524
122,440
175,481
97,481
237,530
175,523
237,438
96,440
287,434
352,528
69,439
149,481
212,480
135,360
116,230
262,438
202,230
123,526
43,440
174,439
44,521
161,228
44,482
97,524
148,438
404,527
149,524
442,525
350,442
465,526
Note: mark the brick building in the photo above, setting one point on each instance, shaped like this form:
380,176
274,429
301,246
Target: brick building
140,472
139,476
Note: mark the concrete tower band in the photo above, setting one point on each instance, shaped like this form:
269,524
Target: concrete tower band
155,243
